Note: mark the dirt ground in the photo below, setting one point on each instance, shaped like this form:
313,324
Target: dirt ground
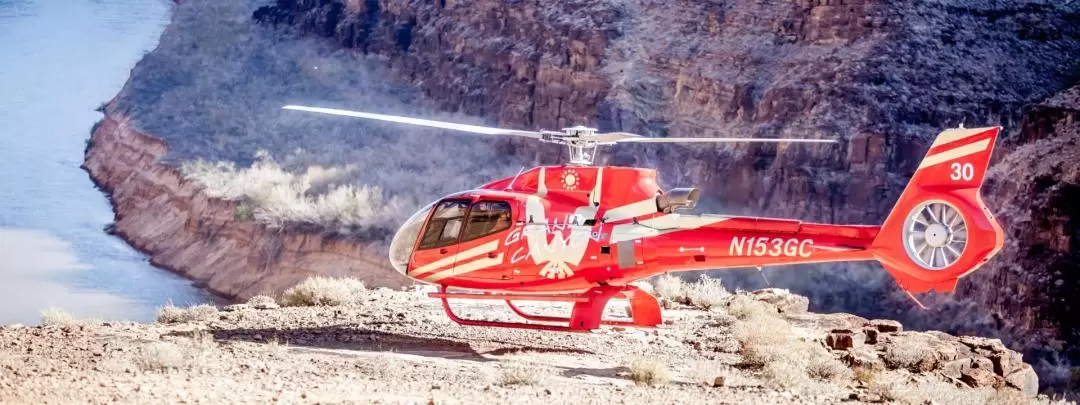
398,347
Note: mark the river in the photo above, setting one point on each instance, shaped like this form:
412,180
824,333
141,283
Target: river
59,60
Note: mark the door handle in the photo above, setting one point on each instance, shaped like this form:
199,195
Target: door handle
443,251
492,255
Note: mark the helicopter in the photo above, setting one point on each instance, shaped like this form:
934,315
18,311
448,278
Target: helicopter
584,234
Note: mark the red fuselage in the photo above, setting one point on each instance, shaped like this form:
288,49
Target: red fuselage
568,229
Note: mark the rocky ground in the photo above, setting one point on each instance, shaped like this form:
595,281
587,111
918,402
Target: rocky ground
384,346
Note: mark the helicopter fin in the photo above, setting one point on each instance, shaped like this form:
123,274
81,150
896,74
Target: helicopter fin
940,230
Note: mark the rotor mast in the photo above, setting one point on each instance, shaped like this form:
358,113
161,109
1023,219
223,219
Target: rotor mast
582,150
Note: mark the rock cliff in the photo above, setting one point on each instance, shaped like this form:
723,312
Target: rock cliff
169,218
1036,188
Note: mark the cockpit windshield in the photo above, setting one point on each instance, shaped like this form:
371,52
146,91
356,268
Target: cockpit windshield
453,221
401,247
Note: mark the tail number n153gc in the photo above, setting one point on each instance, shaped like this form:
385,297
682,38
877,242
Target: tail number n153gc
766,246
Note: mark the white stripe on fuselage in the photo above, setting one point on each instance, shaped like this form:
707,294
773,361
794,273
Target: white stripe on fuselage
660,225
449,260
632,210
460,269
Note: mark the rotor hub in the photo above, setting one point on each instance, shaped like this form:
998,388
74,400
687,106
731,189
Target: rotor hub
937,235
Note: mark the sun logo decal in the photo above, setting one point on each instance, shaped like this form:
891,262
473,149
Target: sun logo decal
570,180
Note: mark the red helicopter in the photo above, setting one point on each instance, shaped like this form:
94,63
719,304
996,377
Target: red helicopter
583,234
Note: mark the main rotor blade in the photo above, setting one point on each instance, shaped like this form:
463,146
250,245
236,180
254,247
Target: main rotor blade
620,137
416,121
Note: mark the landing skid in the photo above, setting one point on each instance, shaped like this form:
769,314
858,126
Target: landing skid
587,314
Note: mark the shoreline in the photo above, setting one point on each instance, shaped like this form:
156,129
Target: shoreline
169,219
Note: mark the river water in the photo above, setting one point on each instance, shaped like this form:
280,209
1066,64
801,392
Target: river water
59,60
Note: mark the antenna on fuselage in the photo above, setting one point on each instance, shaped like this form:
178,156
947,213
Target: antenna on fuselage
511,185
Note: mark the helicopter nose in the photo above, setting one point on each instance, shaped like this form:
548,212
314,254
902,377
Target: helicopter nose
401,246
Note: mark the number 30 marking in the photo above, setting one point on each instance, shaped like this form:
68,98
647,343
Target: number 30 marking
962,171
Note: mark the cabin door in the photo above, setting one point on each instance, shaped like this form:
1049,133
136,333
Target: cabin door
438,246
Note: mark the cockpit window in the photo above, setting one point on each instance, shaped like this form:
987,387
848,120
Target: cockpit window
445,225
401,247
486,218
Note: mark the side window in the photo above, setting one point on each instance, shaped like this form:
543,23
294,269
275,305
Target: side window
445,225
486,218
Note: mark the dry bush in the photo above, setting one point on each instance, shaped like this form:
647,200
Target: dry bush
261,301
162,356
893,388
864,375
912,355
520,373
646,371
192,353
747,308
782,374
196,313
705,371
276,196
706,293
763,331
56,316
897,388
324,291
669,287
829,369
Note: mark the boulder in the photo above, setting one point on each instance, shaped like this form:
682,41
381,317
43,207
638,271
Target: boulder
784,300
886,325
840,339
980,377
1025,380
863,358
871,335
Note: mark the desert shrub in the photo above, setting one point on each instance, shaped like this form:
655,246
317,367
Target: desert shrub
829,369
897,388
747,308
647,371
670,287
785,374
762,331
324,291
191,354
274,196
196,313
56,316
261,301
519,373
913,355
706,293
162,356
864,375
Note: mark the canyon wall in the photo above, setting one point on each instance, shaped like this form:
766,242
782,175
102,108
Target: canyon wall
170,219
1036,190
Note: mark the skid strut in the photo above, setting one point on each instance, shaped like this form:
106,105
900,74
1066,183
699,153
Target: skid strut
587,313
